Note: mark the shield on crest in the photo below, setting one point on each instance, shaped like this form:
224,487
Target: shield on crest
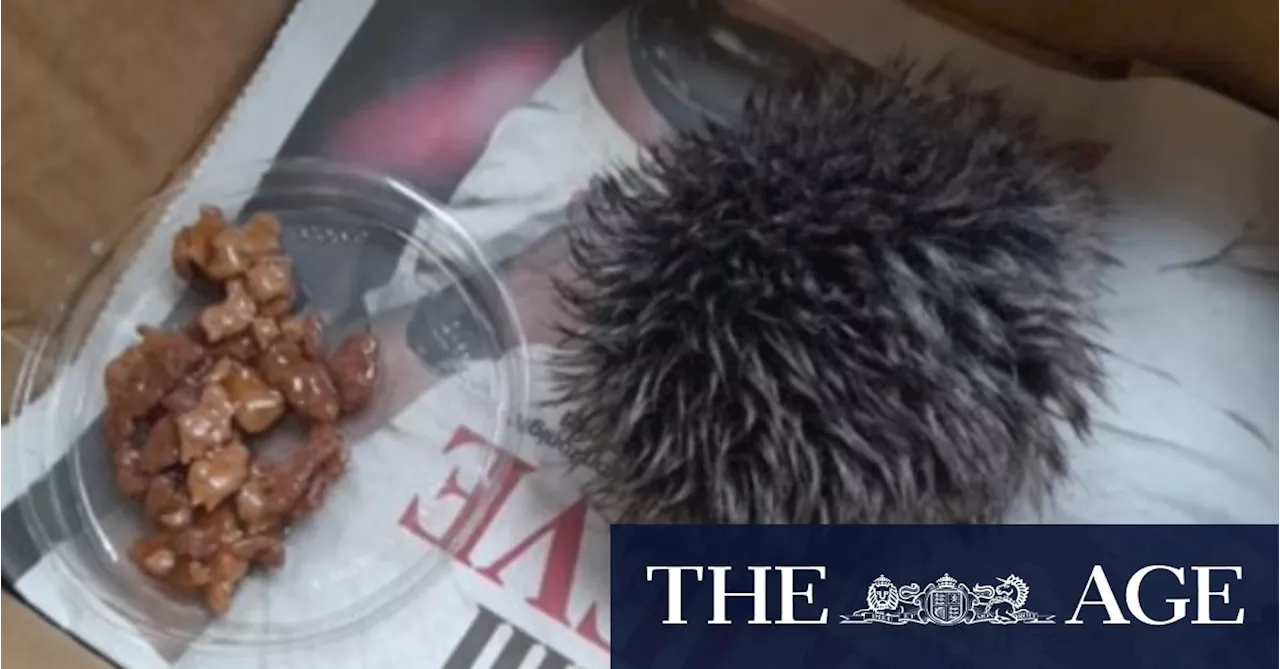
947,606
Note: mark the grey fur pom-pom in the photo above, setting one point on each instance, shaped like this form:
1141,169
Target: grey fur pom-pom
868,301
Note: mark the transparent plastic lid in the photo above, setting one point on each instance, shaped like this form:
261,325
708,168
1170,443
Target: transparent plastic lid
369,253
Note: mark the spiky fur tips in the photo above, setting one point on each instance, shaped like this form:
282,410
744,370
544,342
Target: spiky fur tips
868,301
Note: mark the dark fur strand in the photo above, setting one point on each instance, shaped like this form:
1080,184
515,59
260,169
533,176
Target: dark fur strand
868,301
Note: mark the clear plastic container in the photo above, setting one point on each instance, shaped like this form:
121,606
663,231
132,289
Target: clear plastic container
351,563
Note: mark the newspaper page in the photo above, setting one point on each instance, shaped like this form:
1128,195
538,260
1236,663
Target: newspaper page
505,110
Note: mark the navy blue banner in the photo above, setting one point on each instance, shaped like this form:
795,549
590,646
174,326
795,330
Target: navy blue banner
944,596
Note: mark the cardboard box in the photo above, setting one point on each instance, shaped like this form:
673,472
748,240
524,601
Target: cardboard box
104,103
1228,45
33,642
108,101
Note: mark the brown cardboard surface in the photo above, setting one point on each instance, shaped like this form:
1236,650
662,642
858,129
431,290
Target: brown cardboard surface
107,101
1226,44
32,643
1016,44
102,101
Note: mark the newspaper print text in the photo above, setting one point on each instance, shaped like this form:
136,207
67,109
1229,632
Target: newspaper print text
559,537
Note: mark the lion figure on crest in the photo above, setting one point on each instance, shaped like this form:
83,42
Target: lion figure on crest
882,595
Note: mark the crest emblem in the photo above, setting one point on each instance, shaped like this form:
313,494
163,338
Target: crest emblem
947,602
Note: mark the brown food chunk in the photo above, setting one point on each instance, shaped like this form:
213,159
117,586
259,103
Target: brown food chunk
221,370
306,384
328,449
265,330
354,366
207,426
128,382
327,444
307,332
263,502
178,402
226,571
131,482
194,332
217,596
210,531
160,452
118,429
171,354
270,283
261,235
226,261
242,347
144,373
296,486
254,508
231,317
311,393
189,574
275,362
234,248
227,566
185,396
314,497
258,405
159,562
166,504
218,476
263,549
276,308
193,243
153,555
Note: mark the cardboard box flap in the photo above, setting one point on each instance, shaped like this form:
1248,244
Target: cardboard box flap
34,643
105,101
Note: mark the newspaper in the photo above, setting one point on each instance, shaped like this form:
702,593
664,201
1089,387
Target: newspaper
505,110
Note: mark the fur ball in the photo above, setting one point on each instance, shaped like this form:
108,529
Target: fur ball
868,301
